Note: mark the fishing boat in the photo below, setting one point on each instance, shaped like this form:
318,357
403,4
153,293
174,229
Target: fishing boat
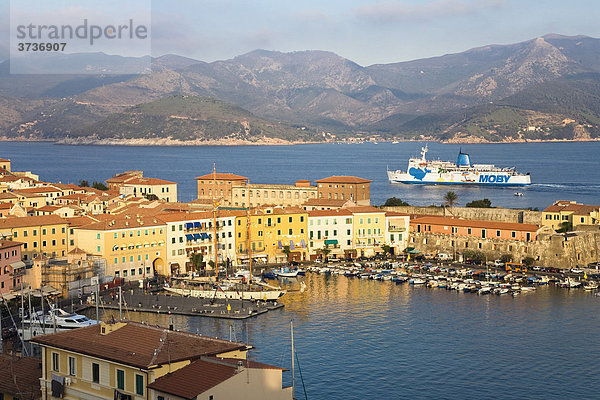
226,290
423,171
286,272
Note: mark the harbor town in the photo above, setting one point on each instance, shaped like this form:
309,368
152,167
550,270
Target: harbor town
128,245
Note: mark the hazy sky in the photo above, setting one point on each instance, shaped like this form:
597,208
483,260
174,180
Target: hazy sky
365,31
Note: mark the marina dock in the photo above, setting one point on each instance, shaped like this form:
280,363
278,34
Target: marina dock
138,300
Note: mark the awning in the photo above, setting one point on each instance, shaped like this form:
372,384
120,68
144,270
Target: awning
17,264
196,224
196,236
189,225
292,246
279,244
189,236
331,241
303,243
203,235
411,250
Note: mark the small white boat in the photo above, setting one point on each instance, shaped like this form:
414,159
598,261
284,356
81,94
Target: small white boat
591,285
518,194
55,320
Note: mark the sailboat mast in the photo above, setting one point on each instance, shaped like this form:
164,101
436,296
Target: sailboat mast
215,219
293,369
249,242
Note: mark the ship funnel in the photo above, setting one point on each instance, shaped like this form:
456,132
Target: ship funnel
463,159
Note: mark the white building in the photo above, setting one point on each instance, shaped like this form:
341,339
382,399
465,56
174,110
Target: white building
331,229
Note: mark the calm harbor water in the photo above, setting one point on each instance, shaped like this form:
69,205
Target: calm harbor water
558,170
359,339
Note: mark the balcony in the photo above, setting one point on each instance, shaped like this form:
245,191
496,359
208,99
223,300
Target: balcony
393,228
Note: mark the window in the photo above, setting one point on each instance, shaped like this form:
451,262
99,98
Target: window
139,385
55,364
43,231
498,233
290,231
95,373
15,235
120,379
72,366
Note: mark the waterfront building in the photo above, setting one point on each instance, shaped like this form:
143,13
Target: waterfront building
351,188
46,235
331,230
219,186
29,200
11,266
116,182
222,378
326,204
368,231
132,245
20,377
256,195
4,166
121,359
193,233
570,213
396,231
150,188
276,235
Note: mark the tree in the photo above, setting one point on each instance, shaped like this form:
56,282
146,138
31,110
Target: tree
565,227
83,183
395,202
450,198
99,186
324,252
287,251
197,260
485,203
528,261
505,258
387,249
474,256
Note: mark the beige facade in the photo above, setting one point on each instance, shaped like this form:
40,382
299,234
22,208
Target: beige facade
46,235
256,195
351,188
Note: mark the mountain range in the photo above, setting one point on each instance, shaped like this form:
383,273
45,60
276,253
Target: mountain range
546,88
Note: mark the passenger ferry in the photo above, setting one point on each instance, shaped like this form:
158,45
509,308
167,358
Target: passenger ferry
462,173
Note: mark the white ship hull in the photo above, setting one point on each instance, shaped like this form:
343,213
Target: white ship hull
461,178
264,295
422,171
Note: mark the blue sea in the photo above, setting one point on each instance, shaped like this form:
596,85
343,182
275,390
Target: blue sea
564,170
358,339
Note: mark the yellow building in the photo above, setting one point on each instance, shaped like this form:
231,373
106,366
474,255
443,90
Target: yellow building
46,235
273,231
368,230
120,359
132,245
569,213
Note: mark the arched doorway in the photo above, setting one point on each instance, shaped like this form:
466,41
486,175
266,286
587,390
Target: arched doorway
159,266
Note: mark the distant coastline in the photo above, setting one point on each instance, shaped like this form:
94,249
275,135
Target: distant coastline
262,142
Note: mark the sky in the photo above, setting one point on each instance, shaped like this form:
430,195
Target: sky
364,31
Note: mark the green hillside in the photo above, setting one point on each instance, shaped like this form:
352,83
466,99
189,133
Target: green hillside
191,118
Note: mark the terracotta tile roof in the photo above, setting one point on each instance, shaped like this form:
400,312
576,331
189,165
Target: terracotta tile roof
138,345
565,205
120,178
184,216
223,176
41,189
107,222
396,214
27,371
325,202
19,222
343,179
149,181
4,160
448,221
8,195
202,375
9,243
80,221
329,213
48,208
365,209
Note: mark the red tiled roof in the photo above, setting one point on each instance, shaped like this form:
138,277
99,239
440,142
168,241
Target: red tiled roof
26,370
19,222
325,202
148,181
138,345
202,375
343,179
223,176
4,244
448,221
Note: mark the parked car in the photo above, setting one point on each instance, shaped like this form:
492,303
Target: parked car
576,271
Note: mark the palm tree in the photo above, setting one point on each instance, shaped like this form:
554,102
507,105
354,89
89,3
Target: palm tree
450,198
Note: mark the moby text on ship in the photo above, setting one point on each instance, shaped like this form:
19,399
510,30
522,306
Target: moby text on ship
462,173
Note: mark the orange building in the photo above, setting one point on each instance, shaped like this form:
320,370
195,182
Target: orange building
351,188
219,185
475,228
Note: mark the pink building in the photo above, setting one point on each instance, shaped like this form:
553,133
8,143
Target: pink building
11,265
